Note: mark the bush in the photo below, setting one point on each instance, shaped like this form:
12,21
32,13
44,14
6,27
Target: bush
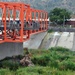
5,72
59,49
65,65
11,65
36,70
54,63
50,31
39,70
42,60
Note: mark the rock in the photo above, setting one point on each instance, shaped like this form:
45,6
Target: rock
26,61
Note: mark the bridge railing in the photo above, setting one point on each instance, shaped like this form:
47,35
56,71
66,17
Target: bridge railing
18,21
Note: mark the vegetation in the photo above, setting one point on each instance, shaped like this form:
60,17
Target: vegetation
49,4
58,15
50,31
55,61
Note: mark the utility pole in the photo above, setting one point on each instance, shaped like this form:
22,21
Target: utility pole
64,21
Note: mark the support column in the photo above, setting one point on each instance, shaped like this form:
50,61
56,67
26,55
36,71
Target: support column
10,49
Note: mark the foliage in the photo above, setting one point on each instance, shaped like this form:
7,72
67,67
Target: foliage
42,60
37,70
62,49
50,31
56,57
49,4
5,72
55,61
58,15
10,65
65,65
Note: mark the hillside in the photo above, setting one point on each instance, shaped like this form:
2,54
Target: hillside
49,4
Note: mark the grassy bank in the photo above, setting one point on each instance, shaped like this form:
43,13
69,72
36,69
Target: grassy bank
55,61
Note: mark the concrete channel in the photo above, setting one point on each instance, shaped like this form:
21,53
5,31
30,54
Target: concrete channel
48,40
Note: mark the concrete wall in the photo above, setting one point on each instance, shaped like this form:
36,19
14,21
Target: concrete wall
10,49
62,29
64,39
34,41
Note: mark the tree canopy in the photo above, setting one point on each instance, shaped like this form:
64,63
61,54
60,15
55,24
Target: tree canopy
59,15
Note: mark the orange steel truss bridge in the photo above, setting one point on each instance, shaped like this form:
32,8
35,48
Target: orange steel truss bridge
18,21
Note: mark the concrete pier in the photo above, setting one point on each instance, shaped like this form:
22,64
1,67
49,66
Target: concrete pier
10,49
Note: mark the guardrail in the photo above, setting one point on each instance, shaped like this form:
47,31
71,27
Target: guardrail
18,21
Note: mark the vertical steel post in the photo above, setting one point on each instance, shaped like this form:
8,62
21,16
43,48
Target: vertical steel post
14,13
4,19
22,20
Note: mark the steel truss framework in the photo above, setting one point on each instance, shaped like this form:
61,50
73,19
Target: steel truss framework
18,21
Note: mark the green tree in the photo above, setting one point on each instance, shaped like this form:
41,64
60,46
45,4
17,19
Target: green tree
59,15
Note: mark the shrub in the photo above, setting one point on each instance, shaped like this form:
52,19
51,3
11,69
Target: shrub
59,49
39,70
50,31
5,72
65,65
11,65
54,63
42,60
64,57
